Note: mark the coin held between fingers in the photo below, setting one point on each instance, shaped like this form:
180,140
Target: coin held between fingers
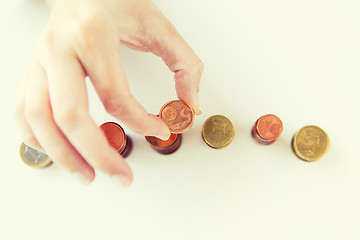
177,115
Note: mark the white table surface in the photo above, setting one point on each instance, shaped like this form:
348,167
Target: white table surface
299,60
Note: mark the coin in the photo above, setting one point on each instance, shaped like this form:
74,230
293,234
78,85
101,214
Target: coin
117,138
165,146
267,129
33,157
218,131
128,148
310,143
177,115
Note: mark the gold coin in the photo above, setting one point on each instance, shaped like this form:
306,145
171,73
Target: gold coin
310,143
218,131
33,157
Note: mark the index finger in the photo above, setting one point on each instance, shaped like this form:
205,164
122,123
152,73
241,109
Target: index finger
180,59
68,99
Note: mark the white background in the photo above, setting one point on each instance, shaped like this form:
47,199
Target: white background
297,59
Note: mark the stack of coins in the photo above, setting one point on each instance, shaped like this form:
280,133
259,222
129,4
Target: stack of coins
310,143
179,117
218,131
117,138
267,129
165,146
33,157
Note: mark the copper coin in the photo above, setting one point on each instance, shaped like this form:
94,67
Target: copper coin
165,146
267,129
115,135
128,148
177,115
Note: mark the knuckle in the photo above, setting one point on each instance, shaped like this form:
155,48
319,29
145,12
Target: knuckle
18,111
88,30
115,105
100,162
170,28
85,28
199,66
48,39
61,156
30,140
68,117
142,128
49,42
33,114
195,66
196,71
106,87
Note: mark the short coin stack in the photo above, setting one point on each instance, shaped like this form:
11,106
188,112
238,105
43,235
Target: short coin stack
117,138
310,143
34,158
218,131
179,117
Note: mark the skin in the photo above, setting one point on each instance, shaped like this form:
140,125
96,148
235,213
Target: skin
72,46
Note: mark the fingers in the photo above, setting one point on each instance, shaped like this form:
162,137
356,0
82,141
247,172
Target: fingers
167,43
68,98
26,132
38,113
106,73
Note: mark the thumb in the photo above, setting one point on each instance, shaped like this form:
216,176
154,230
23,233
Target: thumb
182,60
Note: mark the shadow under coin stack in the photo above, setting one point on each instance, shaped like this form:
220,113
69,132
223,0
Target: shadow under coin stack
179,117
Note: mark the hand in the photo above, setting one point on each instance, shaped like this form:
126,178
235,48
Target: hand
82,38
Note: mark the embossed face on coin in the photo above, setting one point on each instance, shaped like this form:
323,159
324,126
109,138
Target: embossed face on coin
177,115
310,143
33,157
218,131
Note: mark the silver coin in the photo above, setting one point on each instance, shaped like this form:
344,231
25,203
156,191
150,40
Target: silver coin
33,157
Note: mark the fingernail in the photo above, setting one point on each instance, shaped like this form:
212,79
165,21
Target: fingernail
198,103
121,180
164,137
81,178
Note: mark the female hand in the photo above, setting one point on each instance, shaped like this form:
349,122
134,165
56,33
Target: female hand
82,38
